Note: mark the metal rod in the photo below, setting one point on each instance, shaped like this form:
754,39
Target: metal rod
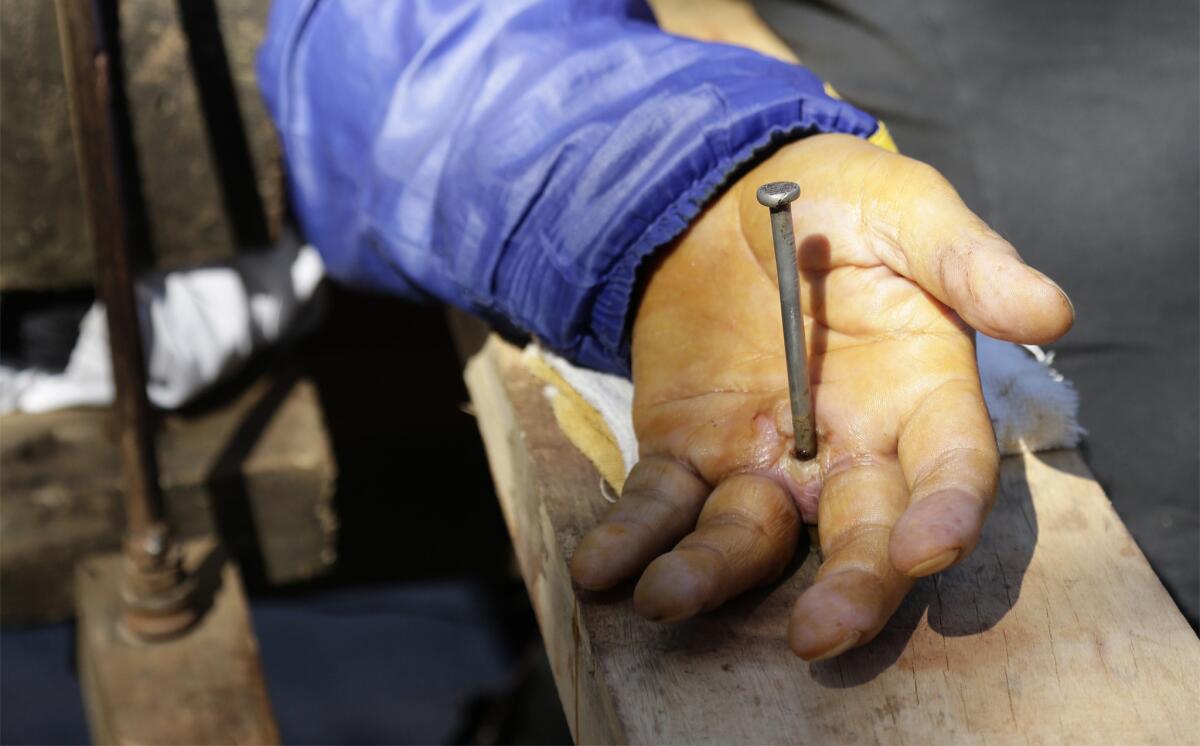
778,196
154,584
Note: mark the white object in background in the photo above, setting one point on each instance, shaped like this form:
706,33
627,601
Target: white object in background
198,327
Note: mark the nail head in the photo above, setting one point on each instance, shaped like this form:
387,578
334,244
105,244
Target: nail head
778,193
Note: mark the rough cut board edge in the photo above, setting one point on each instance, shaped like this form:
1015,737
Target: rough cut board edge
580,671
205,687
61,499
543,566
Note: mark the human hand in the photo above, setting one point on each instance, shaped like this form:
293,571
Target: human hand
895,273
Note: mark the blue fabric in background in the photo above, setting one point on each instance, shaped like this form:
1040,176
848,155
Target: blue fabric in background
397,663
520,158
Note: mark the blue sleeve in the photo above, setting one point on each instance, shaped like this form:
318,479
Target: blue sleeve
518,158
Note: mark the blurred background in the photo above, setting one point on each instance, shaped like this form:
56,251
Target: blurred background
336,455
340,464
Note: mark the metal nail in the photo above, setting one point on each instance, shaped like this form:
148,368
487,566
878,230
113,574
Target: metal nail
778,196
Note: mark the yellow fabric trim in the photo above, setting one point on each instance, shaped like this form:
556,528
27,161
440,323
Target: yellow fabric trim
883,138
581,423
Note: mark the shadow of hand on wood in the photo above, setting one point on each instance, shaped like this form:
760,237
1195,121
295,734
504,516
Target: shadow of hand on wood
968,599
975,595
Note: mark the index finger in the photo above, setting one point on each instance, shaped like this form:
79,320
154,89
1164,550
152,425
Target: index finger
857,589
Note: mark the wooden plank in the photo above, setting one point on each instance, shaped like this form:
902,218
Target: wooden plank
721,21
259,471
42,228
1055,630
204,687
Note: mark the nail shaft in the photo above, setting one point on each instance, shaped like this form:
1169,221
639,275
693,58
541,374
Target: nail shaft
778,196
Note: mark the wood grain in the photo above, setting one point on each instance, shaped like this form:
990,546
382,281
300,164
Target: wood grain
42,226
205,687
1055,630
721,21
258,470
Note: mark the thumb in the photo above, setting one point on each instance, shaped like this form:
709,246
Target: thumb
926,233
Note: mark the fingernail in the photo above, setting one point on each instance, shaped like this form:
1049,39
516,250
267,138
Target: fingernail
1045,278
848,642
937,563
671,590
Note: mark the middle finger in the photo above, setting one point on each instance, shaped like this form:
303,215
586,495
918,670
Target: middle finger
745,536
857,589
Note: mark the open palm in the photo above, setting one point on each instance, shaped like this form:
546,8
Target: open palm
895,272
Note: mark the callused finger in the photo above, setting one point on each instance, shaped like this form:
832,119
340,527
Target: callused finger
948,453
857,589
914,222
746,535
926,233
659,504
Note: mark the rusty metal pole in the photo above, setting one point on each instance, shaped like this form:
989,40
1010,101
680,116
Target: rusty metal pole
156,591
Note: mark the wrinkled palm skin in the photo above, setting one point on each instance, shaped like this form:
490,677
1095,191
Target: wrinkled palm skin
895,273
